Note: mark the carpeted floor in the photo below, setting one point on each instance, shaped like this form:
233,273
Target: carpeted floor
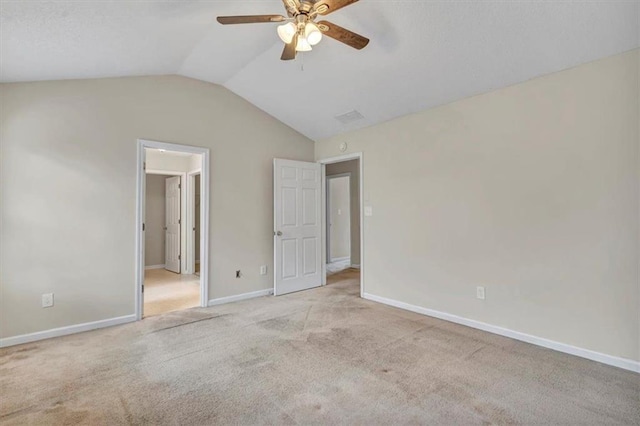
165,291
322,356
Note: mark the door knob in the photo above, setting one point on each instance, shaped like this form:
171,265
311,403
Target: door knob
279,233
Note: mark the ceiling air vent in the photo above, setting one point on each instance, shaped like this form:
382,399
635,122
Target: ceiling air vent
349,117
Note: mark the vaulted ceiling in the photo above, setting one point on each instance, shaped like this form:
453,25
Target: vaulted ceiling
422,53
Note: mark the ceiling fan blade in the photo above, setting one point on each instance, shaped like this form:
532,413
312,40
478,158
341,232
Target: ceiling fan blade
341,34
289,51
325,7
250,19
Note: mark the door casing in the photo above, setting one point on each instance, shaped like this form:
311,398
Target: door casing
140,217
340,159
191,220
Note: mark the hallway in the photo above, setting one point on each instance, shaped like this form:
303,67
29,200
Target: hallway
165,291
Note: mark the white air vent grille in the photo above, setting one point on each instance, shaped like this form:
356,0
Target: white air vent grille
349,117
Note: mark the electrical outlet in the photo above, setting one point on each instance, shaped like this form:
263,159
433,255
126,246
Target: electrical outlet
47,300
263,270
480,293
238,273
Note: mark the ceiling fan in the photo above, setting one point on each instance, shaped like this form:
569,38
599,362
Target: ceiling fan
300,31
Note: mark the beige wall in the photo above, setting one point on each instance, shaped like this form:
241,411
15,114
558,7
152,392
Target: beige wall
68,158
339,240
353,167
155,208
172,162
531,191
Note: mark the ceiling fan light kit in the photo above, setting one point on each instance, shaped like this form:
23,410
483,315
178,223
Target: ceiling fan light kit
301,32
287,31
312,33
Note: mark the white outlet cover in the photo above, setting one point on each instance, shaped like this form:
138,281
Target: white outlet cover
263,270
47,300
480,293
368,211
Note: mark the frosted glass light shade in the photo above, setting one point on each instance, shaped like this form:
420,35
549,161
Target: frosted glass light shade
303,45
312,33
286,32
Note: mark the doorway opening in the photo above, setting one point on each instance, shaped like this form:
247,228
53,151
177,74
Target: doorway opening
301,253
338,225
172,222
342,221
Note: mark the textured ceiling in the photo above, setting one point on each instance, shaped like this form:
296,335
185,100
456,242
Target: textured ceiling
422,53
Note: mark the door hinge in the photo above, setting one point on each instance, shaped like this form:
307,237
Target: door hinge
143,288
144,166
179,221
179,186
143,227
179,257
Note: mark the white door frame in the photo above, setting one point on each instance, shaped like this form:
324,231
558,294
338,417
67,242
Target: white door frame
328,210
140,208
191,220
340,159
183,208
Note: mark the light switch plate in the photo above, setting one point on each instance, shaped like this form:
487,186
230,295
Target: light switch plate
480,293
263,270
368,211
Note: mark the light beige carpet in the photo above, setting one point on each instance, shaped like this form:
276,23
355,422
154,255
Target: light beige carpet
165,291
322,356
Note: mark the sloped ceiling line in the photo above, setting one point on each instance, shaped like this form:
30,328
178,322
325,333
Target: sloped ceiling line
422,53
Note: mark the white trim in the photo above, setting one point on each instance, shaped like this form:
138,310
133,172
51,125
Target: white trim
339,175
339,159
164,172
238,297
355,265
191,220
155,267
63,331
204,217
339,259
623,363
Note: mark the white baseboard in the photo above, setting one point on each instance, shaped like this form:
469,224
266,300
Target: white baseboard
63,331
624,363
238,297
339,259
355,266
155,267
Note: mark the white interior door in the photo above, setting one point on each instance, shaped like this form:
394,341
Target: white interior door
172,224
297,226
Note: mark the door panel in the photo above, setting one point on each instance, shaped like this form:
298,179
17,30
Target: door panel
172,224
310,255
297,233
